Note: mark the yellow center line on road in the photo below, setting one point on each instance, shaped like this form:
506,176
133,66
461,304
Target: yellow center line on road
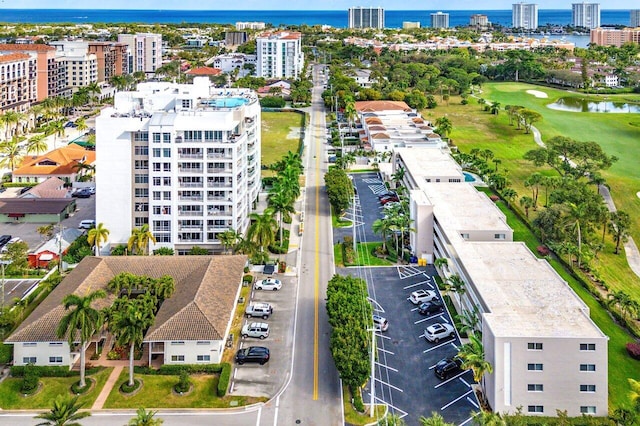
316,279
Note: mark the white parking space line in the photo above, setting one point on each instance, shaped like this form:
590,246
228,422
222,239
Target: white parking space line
427,319
444,319
455,400
387,367
388,384
466,421
449,380
412,285
372,180
405,272
386,351
454,345
472,402
404,413
413,309
435,347
384,337
465,382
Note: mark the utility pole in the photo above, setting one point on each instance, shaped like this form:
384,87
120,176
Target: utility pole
60,229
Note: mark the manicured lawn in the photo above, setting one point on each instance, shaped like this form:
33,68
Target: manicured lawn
352,417
12,399
157,393
621,365
365,256
278,136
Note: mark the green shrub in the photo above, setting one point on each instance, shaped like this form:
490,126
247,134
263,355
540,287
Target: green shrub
225,377
29,380
164,251
78,390
19,184
6,353
49,371
175,370
183,384
358,404
247,278
125,388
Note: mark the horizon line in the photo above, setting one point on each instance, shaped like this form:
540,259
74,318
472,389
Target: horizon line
273,10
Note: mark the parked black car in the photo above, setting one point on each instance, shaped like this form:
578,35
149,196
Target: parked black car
387,194
257,354
448,367
4,239
430,308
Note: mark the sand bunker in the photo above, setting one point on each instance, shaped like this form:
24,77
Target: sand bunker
638,194
537,93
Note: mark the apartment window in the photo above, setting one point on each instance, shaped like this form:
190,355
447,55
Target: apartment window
141,150
55,360
139,221
587,346
166,181
156,167
161,225
139,178
29,359
156,152
162,237
156,181
203,357
499,236
455,180
534,367
166,152
156,195
166,195
534,387
177,358
588,409
141,164
587,367
535,409
186,103
29,344
166,167
203,342
177,343
166,137
141,137
156,137
55,343
142,207
587,388
141,193
534,346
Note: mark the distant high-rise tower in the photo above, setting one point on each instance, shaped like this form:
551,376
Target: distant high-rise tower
585,15
478,20
635,18
439,20
366,17
524,15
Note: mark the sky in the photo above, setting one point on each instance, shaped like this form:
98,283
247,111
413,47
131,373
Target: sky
302,5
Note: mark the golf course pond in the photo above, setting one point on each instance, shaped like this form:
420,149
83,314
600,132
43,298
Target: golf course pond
573,104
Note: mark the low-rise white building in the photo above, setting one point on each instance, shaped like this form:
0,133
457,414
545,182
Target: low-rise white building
182,158
231,62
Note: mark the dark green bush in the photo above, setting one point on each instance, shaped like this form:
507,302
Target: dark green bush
225,377
175,370
29,381
358,404
183,384
125,388
46,371
6,353
78,390
247,278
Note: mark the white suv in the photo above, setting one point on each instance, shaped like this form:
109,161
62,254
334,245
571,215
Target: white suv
259,330
420,296
438,331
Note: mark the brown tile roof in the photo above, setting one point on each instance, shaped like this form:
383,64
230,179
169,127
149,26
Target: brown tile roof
372,106
64,159
26,47
53,187
204,71
34,205
200,309
11,57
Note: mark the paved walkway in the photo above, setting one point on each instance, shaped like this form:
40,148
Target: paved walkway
106,389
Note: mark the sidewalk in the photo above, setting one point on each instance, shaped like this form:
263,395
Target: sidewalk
108,386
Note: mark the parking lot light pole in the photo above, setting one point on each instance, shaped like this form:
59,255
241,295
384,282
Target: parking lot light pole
373,371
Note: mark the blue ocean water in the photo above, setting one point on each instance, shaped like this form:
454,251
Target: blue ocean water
335,18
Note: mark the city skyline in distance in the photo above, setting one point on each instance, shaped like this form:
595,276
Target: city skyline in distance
312,5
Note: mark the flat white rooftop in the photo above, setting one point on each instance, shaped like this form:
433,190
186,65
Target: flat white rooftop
459,207
525,296
429,163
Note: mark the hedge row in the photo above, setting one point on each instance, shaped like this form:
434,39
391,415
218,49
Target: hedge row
47,371
225,377
175,370
6,353
19,184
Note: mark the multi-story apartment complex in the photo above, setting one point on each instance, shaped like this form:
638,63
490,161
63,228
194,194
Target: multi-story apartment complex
546,352
17,81
183,158
524,15
585,15
81,67
235,38
279,55
439,20
479,21
634,18
366,17
614,37
144,51
250,25
111,58
47,72
235,61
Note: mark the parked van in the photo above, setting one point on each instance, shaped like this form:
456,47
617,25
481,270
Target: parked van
87,224
380,323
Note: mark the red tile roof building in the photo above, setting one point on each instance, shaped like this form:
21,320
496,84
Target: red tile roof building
46,67
17,81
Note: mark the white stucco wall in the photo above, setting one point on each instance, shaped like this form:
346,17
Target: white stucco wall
191,350
42,351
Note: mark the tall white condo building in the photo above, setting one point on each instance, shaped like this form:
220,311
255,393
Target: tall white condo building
524,15
366,17
182,158
585,15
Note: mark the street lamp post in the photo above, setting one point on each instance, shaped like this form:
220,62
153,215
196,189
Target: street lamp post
3,263
373,371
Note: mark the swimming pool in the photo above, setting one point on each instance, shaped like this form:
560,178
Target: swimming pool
228,102
468,177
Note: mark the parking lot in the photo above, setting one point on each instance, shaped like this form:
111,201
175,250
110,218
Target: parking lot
264,380
85,209
405,379
16,288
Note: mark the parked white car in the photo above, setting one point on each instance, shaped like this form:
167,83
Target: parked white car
258,330
438,331
419,296
268,284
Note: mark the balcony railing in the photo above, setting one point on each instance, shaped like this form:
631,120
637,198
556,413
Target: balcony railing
191,184
219,155
195,156
220,213
190,170
219,170
190,213
190,198
191,227
219,184
215,198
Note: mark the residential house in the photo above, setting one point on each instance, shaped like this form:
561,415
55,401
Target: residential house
36,210
61,163
53,187
51,249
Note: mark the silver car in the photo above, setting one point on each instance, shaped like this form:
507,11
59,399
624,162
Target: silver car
258,330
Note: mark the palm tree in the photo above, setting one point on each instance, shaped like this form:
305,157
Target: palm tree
469,321
56,128
11,151
81,322
85,170
350,112
281,204
619,227
441,262
128,324
228,238
455,284
140,238
398,175
577,215
435,420
526,203
262,229
97,235
443,126
81,124
472,354
64,412
495,108
8,118
145,418
37,144
382,227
